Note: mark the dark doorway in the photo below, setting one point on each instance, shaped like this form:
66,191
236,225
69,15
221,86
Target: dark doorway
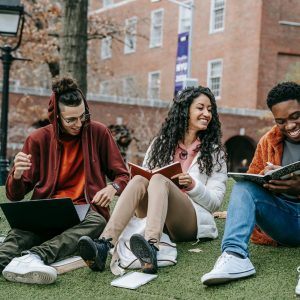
240,151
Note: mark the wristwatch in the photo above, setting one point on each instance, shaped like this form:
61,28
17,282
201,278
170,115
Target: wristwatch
115,185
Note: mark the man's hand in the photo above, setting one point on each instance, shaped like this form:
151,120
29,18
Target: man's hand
290,186
104,197
22,162
184,179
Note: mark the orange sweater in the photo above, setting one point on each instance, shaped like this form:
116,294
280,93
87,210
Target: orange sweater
71,178
269,148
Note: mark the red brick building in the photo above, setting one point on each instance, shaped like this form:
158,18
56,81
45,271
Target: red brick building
240,49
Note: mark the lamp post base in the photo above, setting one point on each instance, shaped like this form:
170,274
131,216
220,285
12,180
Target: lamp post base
4,168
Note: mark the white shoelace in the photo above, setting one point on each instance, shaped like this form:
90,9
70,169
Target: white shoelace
222,260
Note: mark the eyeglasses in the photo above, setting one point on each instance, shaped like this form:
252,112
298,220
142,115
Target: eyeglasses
73,120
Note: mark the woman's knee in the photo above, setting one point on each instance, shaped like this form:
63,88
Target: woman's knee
158,179
139,180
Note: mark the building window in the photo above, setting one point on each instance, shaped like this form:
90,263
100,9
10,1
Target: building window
105,88
106,47
185,17
130,35
153,85
107,3
214,76
156,32
128,87
217,15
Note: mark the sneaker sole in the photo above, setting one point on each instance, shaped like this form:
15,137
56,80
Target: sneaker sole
142,250
224,278
89,252
35,277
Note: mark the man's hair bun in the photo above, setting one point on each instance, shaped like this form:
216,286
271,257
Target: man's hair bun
63,85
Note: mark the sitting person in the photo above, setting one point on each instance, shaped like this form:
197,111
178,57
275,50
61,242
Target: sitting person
68,158
191,135
273,207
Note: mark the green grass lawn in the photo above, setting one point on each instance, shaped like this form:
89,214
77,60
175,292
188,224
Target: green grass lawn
276,276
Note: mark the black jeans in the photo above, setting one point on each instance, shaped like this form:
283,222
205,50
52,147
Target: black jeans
50,250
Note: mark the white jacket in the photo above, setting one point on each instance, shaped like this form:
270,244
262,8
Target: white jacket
206,196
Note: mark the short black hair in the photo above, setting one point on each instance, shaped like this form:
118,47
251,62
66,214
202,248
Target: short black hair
283,92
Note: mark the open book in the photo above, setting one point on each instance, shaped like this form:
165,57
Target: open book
280,173
167,171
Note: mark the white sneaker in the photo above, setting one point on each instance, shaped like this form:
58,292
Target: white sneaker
29,269
228,267
297,290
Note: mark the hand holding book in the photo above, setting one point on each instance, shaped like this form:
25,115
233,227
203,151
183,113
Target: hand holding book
184,179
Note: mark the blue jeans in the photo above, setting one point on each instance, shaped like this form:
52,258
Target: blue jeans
251,204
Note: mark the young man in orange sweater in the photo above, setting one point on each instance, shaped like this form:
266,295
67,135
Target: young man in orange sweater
70,158
275,207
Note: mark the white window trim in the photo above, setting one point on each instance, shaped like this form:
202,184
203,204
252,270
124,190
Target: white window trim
209,63
101,54
162,28
211,21
127,49
107,5
181,8
149,81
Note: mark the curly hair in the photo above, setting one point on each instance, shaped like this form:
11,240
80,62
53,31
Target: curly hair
283,92
175,127
66,90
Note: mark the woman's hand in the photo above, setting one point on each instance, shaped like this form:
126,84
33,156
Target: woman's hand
184,179
104,197
22,162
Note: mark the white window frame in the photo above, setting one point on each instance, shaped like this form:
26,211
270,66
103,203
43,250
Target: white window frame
105,85
210,77
150,85
128,91
130,37
184,14
153,42
107,3
106,48
212,22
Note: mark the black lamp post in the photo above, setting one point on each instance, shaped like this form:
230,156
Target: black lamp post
11,24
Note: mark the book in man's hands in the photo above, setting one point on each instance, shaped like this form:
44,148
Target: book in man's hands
167,171
277,174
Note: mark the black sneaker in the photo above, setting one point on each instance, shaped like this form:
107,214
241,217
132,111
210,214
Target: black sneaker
94,252
146,253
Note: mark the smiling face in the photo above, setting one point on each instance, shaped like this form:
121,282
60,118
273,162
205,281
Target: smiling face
287,118
200,113
71,118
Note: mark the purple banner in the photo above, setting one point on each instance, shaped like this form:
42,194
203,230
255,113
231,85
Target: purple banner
181,70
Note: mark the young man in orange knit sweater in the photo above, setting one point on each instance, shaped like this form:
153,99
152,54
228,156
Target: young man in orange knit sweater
273,207
70,158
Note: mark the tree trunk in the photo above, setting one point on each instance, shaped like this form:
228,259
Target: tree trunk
74,41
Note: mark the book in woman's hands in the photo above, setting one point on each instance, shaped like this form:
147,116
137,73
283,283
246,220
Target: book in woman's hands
167,171
277,174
